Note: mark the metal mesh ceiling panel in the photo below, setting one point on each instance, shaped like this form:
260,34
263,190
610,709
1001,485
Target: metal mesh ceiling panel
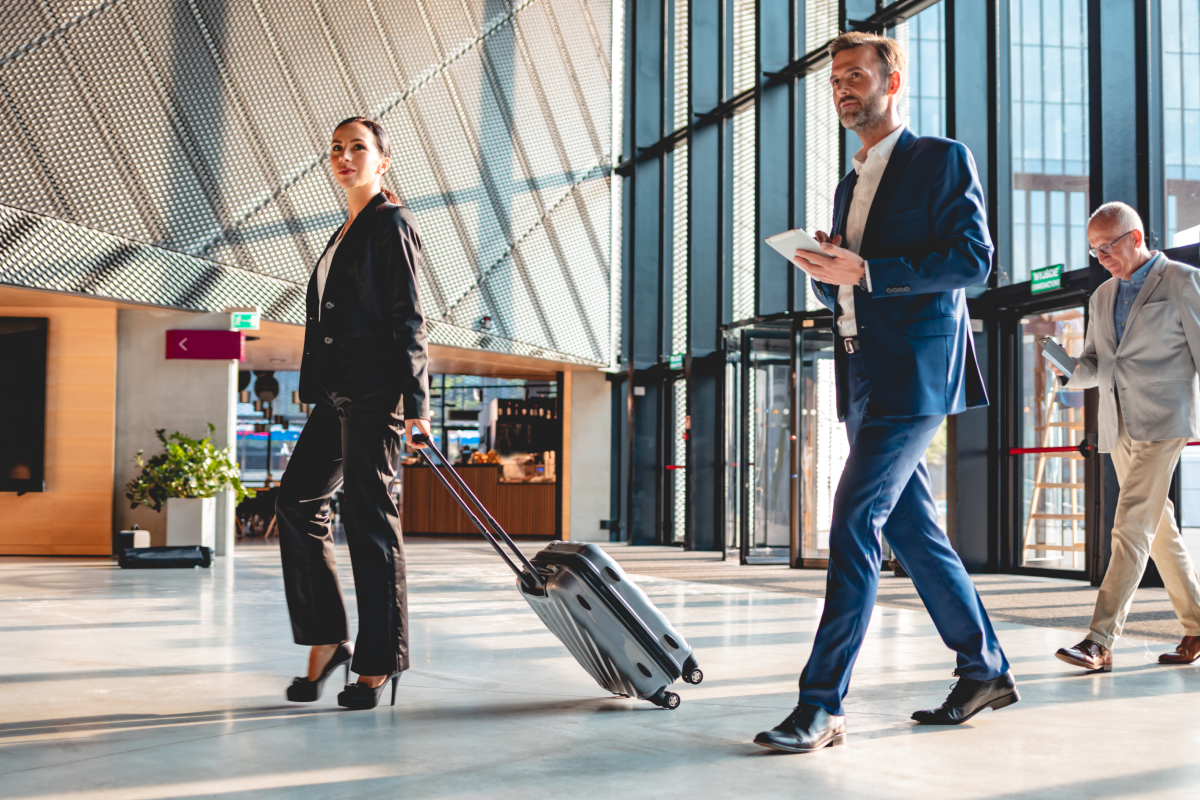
190,136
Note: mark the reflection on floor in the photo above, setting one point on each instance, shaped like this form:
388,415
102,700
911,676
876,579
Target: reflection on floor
1014,598
153,684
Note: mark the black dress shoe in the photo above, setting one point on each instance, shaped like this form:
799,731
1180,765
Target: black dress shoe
303,690
969,697
806,729
1087,654
360,696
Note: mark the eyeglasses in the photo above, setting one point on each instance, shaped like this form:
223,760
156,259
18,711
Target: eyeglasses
1106,249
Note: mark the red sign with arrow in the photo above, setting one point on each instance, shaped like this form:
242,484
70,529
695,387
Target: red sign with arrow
207,345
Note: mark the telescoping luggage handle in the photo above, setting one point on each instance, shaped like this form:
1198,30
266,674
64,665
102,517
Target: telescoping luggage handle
420,438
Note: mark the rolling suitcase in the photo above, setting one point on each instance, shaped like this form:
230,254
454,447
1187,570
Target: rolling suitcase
587,601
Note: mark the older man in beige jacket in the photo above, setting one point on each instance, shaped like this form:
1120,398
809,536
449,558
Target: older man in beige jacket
1141,349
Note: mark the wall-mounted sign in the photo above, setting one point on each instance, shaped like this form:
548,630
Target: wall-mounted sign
676,361
207,345
244,320
1046,280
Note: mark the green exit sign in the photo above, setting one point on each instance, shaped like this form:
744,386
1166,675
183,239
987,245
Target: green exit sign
1046,280
244,320
676,361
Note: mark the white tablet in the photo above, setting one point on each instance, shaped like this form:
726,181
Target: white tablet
1054,353
788,242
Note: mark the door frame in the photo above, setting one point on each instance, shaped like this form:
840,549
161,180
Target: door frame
745,538
1010,307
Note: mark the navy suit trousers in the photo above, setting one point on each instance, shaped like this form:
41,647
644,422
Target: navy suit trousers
885,489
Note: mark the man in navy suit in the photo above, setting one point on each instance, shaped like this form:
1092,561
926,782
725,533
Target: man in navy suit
910,235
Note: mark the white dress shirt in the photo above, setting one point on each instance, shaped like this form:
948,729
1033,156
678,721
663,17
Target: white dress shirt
323,271
869,166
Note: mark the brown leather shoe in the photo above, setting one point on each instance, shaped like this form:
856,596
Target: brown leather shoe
1087,654
1187,652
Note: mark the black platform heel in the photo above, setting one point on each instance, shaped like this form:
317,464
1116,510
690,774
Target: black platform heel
359,697
303,690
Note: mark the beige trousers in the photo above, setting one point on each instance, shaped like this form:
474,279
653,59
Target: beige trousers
1144,527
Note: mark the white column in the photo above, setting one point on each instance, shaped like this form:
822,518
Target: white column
591,444
178,395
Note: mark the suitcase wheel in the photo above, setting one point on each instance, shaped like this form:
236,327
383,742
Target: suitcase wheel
664,699
691,670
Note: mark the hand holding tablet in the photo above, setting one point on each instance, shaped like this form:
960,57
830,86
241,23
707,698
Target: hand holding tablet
1054,353
788,242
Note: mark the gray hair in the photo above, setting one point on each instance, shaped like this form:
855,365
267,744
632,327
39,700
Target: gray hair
1118,215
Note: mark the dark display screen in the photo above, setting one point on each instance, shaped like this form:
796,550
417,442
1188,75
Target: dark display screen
23,403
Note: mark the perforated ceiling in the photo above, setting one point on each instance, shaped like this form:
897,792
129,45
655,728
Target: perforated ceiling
174,152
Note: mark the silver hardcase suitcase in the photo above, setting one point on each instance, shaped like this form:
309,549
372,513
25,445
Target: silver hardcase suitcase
587,601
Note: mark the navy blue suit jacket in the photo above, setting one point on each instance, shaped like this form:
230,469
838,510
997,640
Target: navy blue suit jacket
926,240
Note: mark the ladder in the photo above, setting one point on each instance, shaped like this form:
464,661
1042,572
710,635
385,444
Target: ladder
1054,416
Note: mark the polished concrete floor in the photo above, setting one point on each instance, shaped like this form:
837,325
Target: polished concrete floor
169,684
1024,599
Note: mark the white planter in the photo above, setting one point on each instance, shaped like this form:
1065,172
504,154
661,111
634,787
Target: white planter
192,520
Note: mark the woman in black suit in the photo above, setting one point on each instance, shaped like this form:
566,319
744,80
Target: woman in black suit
364,372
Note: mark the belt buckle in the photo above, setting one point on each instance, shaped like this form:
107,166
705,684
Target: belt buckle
850,343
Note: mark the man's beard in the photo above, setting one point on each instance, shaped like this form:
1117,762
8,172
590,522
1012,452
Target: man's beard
871,111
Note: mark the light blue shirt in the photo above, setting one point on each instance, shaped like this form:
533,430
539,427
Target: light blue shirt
1127,292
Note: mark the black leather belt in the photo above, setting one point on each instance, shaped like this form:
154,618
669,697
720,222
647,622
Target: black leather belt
851,344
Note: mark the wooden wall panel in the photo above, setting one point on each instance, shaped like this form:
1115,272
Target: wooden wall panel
74,515
564,466
523,509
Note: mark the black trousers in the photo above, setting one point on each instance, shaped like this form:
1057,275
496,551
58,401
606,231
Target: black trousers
355,441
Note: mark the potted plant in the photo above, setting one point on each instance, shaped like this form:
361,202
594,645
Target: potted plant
186,477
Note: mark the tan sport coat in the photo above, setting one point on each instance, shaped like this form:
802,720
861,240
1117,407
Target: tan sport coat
1153,369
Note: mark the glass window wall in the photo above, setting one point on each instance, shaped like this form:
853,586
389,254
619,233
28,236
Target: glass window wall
679,265
1181,163
923,107
745,158
1049,136
822,130
1050,174
745,216
1181,119
923,100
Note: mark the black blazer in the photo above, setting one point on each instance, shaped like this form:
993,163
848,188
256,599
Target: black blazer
370,332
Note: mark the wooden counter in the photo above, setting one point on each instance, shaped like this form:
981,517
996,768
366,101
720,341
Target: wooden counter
523,509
